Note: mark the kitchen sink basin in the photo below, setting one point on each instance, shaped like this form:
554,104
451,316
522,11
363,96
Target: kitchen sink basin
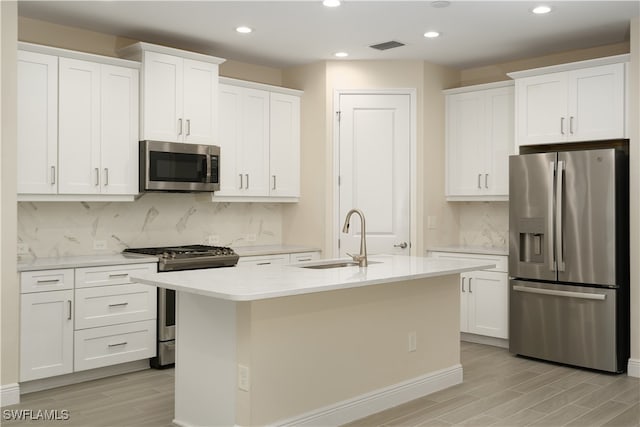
337,264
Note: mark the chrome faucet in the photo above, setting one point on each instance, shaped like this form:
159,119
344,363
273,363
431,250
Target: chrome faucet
361,259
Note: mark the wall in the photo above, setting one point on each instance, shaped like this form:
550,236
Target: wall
634,168
9,289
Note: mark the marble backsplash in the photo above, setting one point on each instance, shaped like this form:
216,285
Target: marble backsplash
51,229
484,224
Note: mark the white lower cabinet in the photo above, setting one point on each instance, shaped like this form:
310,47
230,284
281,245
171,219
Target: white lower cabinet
285,258
46,334
84,318
484,296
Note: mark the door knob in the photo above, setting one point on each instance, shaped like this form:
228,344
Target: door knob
402,245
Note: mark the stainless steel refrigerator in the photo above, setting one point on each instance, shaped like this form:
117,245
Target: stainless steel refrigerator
569,257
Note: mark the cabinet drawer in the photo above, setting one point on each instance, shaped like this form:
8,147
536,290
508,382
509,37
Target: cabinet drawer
264,259
46,280
110,275
304,256
109,345
111,305
500,260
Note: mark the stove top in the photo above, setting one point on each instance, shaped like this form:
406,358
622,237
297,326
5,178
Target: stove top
188,257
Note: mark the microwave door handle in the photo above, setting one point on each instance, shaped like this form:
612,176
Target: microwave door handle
208,179
550,211
559,214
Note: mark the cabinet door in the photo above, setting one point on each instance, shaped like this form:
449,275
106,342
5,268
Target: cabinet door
46,334
230,140
466,147
303,257
37,123
119,130
162,97
79,127
500,140
254,159
284,140
261,260
596,103
487,294
200,102
541,103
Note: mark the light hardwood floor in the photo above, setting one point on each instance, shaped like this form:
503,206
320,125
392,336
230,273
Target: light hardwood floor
499,389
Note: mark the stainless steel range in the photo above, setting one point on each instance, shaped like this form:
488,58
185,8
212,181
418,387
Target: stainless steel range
174,258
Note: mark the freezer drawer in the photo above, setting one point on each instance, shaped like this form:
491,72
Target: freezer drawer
566,324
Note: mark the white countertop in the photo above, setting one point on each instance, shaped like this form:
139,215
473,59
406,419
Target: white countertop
248,283
272,250
471,250
33,264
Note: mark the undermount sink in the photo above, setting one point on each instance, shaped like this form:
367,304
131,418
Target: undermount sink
337,264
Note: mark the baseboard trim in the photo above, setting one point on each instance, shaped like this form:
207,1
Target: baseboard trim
633,368
82,376
9,394
378,400
481,339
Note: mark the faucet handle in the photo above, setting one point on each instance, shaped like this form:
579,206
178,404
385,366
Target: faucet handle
355,257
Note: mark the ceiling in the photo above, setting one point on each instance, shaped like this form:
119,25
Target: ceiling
289,33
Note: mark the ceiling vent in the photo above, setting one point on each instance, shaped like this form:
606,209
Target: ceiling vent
387,45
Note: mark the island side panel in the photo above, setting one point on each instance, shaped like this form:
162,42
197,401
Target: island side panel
205,376
317,350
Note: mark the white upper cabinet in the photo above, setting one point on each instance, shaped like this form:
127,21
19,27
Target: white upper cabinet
179,94
77,126
479,140
578,102
284,137
37,123
259,142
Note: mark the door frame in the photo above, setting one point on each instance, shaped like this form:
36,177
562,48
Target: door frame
413,159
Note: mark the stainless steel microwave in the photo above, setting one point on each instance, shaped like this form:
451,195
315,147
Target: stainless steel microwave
171,166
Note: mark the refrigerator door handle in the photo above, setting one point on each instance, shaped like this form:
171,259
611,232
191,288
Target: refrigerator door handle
568,294
550,224
559,202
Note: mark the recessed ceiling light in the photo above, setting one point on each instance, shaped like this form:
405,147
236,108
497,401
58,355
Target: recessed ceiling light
432,34
244,30
341,54
541,10
331,3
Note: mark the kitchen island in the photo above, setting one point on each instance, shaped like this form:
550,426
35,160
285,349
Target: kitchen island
287,345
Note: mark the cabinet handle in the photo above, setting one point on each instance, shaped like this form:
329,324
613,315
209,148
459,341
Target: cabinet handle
486,179
188,127
97,170
274,182
69,308
241,182
479,178
571,125
118,275
470,291
117,344
304,259
106,176
463,284
119,304
247,176
179,126
263,263
53,175
562,125
49,281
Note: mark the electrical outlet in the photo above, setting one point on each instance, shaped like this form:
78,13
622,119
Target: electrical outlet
243,377
213,240
251,237
412,341
99,245
23,248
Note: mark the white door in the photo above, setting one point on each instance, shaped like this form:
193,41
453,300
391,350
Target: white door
255,143
230,140
119,130
79,127
284,145
200,95
163,96
500,112
374,147
488,295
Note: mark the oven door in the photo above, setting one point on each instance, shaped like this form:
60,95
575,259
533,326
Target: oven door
168,166
166,314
